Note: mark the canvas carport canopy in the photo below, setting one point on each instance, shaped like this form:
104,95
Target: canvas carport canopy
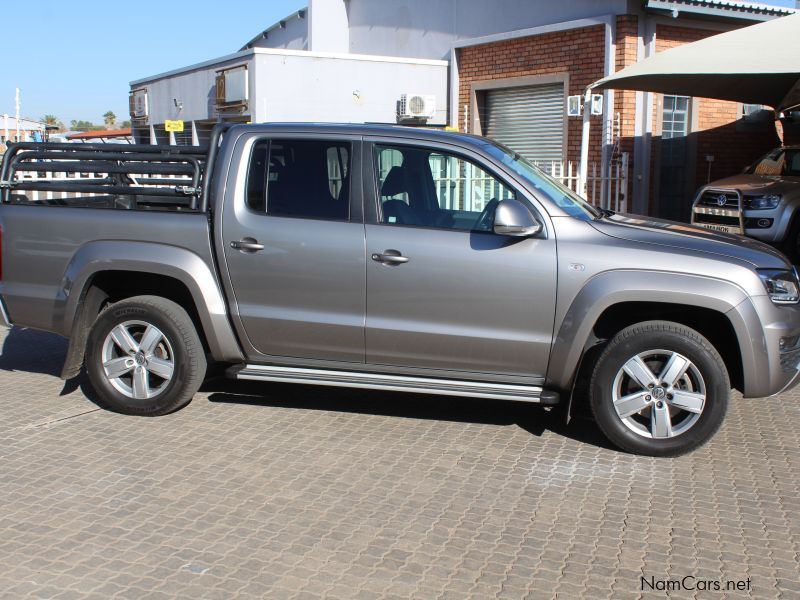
759,64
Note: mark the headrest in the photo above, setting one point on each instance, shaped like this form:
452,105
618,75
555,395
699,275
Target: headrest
395,182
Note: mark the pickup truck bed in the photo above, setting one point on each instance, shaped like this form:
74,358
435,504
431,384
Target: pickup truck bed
164,239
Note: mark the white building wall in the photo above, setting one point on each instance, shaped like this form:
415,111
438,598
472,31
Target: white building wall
343,88
288,85
26,127
194,90
328,26
429,28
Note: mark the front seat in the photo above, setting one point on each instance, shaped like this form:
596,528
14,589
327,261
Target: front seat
397,211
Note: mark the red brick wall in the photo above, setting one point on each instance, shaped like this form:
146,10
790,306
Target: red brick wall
577,53
733,145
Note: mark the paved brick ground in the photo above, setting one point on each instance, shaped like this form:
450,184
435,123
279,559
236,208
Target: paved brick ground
303,492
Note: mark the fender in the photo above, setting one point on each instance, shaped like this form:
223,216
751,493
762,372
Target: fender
145,257
614,287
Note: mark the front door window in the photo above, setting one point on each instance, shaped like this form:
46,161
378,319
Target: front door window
424,187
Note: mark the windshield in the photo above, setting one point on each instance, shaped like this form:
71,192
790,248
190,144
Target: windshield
560,194
778,162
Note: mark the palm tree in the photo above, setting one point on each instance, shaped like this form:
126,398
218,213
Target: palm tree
110,118
51,123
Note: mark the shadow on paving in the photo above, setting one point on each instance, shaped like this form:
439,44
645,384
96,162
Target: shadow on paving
530,417
33,352
38,352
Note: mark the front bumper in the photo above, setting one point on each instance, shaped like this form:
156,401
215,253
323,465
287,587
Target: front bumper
777,367
779,222
769,225
4,320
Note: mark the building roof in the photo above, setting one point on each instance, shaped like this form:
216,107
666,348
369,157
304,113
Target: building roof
100,133
721,8
24,122
300,14
284,52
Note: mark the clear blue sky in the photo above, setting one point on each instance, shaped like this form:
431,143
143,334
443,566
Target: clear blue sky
75,58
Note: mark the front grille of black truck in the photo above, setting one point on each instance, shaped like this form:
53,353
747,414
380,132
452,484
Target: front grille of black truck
726,199
719,209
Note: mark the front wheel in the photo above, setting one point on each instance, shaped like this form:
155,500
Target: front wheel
659,389
144,356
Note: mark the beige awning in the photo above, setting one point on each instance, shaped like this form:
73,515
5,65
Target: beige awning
759,64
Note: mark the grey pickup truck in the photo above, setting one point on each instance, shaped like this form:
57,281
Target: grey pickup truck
388,258
762,202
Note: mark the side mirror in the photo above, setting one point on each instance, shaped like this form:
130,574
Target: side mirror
512,217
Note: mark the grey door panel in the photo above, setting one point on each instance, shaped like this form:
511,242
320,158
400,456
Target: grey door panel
473,301
302,294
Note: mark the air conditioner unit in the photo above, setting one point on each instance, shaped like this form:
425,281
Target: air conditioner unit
416,106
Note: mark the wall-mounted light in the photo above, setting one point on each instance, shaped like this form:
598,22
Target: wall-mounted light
597,104
574,106
178,105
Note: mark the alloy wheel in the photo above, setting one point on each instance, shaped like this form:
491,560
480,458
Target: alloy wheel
138,360
659,394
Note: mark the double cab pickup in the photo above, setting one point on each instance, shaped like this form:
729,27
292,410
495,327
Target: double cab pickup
388,258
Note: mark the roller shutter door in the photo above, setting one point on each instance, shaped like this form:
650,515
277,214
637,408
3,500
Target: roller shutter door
529,120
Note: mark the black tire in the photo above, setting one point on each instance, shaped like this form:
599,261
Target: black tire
649,339
179,346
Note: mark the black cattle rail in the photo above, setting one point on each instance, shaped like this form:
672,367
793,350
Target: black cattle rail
134,170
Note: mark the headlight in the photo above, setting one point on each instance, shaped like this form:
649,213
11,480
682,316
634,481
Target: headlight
782,286
763,202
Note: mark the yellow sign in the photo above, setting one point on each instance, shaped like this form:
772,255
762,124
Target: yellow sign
176,126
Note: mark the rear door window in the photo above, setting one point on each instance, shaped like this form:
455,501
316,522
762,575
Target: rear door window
300,178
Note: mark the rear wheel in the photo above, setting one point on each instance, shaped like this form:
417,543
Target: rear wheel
144,356
659,389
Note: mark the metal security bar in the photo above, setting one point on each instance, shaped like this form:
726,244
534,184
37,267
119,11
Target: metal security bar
605,188
460,185
151,177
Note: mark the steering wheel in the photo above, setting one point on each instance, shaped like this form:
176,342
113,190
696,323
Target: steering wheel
485,219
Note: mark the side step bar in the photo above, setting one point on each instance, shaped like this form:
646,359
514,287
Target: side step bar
395,383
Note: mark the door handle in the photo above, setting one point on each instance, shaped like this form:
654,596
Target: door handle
247,245
390,257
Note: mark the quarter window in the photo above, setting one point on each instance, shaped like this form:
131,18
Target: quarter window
429,188
300,178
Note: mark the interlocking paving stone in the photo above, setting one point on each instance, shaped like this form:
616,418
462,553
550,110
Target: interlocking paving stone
286,491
